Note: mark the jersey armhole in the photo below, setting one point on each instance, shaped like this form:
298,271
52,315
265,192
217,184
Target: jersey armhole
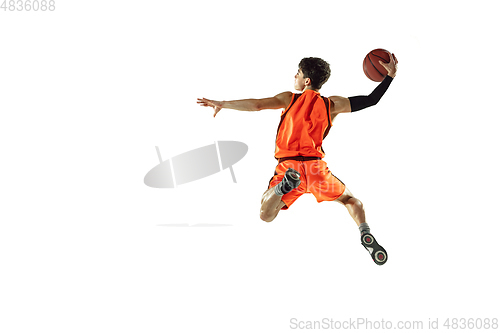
328,105
291,101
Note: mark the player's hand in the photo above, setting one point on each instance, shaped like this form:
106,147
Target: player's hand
392,66
214,104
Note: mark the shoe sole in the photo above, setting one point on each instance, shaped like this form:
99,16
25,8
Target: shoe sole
377,252
294,175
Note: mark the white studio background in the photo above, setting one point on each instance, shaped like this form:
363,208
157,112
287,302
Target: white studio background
88,90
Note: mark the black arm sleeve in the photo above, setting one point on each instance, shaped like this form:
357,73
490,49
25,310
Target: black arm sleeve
362,102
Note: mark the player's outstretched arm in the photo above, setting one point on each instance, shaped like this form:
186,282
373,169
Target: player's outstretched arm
276,102
356,103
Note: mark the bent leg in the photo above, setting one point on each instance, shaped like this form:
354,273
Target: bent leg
271,205
354,206
284,188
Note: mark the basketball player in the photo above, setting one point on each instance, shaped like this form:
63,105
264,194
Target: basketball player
305,122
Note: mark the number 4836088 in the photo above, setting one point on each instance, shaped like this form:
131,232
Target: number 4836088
28,5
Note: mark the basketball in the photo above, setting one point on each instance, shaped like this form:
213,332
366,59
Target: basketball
371,66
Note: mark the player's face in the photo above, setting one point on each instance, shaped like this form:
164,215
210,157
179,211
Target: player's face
299,81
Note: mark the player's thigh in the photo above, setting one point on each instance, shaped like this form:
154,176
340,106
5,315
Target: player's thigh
322,183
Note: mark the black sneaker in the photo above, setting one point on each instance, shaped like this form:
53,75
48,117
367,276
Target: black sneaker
378,253
292,178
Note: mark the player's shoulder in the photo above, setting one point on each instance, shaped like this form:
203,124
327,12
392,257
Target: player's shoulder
339,104
285,94
336,98
285,97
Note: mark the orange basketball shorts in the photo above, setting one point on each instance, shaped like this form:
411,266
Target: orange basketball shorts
315,178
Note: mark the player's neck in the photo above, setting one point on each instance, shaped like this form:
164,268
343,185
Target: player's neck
309,88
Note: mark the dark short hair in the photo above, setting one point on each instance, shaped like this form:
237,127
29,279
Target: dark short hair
315,69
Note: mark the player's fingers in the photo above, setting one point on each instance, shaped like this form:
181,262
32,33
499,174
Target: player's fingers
384,64
395,59
205,102
391,60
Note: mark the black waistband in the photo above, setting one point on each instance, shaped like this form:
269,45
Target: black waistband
299,158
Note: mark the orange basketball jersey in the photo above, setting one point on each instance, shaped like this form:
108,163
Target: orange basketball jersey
303,126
